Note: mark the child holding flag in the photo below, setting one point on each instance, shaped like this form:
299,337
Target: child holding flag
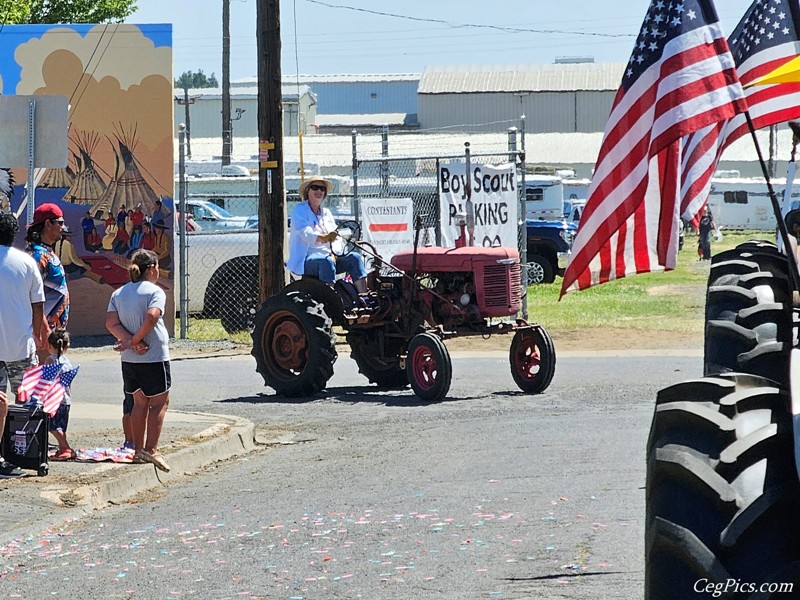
58,344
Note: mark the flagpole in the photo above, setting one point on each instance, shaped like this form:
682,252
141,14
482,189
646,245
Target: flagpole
783,232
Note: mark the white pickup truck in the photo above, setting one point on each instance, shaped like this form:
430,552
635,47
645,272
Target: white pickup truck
222,269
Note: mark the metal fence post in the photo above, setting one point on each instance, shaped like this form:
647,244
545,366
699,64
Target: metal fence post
523,208
182,247
438,232
522,241
468,204
353,135
385,164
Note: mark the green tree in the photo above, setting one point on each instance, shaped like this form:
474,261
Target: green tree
192,80
65,11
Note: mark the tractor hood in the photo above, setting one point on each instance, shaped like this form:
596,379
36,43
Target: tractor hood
433,259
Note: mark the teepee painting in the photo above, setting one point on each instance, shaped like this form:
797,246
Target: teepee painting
102,205
58,178
132,189
88,185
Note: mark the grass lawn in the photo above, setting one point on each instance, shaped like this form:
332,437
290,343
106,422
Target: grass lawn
669,301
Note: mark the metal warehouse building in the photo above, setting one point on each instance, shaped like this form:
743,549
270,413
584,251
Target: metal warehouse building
555,98
355,94
206,111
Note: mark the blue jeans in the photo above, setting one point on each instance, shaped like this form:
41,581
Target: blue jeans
325,268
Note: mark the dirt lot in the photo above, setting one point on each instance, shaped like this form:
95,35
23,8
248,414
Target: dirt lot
593,340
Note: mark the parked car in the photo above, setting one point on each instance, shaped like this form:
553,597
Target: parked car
211,217
549,247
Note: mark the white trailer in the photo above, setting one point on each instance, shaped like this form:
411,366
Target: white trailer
739,203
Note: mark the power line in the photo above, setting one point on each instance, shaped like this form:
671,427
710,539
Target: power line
471,25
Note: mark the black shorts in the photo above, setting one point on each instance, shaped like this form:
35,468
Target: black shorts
60,420
151,378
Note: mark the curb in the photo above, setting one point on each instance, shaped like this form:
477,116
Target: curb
238,440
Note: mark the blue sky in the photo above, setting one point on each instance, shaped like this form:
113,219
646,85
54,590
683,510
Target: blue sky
328,36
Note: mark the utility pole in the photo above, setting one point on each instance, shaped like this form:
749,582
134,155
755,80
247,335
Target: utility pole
226,82
272,202
185,102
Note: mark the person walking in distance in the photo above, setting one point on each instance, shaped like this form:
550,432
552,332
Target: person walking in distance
22,323
135,318
705,228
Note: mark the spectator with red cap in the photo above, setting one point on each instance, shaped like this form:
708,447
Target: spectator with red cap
43,233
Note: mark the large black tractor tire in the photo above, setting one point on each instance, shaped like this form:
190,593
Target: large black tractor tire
749,313
385,372
532,357
722,492
294,344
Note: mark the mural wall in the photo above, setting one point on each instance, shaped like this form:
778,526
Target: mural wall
117,190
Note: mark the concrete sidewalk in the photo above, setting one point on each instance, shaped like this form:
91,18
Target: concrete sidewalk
189,441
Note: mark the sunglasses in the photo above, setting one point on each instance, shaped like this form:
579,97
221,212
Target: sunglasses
318,188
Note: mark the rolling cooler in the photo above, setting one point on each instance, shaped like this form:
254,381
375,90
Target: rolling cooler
25,438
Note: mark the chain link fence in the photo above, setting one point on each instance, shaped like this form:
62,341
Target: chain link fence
220,247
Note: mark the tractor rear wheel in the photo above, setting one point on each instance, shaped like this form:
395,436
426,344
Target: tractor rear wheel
293,344
429,367
749,313
533,359
385,372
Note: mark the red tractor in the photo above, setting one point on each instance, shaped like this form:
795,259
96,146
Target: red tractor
396,331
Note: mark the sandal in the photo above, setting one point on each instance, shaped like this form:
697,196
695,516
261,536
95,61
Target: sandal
65,454
154,458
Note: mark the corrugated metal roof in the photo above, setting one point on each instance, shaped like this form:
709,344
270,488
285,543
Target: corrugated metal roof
521,78
287,91
341,78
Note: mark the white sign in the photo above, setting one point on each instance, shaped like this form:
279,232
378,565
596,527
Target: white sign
494,198
50,131
388,224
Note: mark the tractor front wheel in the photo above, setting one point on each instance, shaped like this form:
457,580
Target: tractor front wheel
533,359
293,344
429,367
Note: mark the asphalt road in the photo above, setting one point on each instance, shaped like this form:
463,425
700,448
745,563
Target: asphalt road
488,494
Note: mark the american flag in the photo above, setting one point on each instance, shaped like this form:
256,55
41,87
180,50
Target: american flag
36,382
765,39
680,77
53,397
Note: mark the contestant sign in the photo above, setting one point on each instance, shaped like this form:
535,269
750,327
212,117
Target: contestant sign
494,198
387,224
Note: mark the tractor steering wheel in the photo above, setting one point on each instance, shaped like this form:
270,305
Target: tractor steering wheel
349,232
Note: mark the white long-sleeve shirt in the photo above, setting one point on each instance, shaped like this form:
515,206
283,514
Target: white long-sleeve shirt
304,236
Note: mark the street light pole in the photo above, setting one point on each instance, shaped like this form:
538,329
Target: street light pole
239,112
272,202
226,82
185,102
